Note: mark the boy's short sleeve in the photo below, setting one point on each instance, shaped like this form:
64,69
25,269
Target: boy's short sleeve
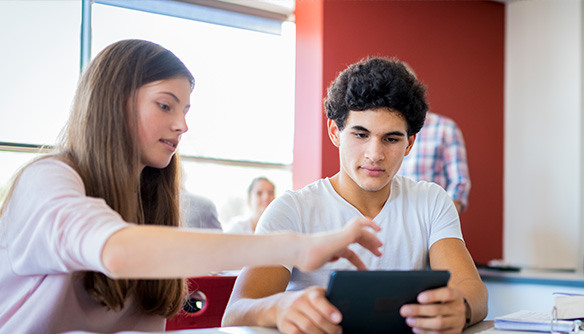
280,216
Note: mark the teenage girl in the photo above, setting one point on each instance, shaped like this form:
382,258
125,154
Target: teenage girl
88,237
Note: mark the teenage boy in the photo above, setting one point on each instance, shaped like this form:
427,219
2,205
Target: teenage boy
374,108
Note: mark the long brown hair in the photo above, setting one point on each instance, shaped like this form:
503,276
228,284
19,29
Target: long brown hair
100,143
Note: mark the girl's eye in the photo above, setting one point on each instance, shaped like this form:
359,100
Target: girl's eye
164,106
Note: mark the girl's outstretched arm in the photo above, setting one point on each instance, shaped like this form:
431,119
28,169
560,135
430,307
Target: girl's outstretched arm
167,252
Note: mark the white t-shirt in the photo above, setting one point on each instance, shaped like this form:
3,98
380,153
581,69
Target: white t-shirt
415,216
49,231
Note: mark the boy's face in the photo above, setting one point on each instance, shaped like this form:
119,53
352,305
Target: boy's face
372,147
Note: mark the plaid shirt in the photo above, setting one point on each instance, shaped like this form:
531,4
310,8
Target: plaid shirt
439,155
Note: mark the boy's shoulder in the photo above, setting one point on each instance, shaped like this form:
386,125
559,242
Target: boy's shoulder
316,188
315,194
408,186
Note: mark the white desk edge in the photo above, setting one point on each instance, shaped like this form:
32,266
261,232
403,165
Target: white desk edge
481,327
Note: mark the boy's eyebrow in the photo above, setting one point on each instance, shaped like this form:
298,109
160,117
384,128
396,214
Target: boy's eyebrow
391,133
396,133
359,128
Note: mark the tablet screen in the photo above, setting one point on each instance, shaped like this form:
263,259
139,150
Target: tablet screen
370,300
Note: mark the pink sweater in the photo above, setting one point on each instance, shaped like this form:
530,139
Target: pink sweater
51,231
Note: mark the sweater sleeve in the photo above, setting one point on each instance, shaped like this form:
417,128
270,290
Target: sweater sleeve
455,164
52,226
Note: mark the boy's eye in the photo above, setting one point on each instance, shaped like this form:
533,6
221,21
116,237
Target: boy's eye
360,135
392,140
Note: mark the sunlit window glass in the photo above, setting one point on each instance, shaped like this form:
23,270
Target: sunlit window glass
228,185
39,66
242,107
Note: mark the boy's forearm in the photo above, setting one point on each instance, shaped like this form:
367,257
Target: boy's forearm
476,295
252,312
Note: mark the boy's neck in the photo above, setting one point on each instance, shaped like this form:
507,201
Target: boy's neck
369,203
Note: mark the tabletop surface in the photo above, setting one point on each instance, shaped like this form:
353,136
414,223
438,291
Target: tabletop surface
484,327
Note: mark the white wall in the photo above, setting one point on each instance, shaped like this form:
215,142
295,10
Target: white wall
543,133
506,298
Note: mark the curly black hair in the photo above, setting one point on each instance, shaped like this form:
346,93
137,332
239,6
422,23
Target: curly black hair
377,82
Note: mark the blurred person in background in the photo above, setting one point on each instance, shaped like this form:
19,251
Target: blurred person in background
260,193
198,211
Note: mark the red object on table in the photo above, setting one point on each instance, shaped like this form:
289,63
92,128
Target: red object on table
217,290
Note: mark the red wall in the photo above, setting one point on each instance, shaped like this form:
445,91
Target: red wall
455,47
309,118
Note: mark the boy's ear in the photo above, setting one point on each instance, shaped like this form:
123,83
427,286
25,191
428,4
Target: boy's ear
334,132
411,140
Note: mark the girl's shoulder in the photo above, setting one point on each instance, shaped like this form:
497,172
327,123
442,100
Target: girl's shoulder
49,164
49,161
50,172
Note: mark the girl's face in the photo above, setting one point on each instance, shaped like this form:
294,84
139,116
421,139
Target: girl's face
161,110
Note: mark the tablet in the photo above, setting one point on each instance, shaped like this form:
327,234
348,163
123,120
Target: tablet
370,300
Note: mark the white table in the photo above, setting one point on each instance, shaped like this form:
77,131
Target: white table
219,330
485,327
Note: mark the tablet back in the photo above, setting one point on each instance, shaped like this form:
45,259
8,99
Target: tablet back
370,300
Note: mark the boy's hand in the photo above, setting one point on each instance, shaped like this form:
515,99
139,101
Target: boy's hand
440,310
307,311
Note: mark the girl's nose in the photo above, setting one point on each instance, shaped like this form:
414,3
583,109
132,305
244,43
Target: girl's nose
180,124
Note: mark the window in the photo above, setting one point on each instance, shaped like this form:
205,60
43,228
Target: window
40,68
242,114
